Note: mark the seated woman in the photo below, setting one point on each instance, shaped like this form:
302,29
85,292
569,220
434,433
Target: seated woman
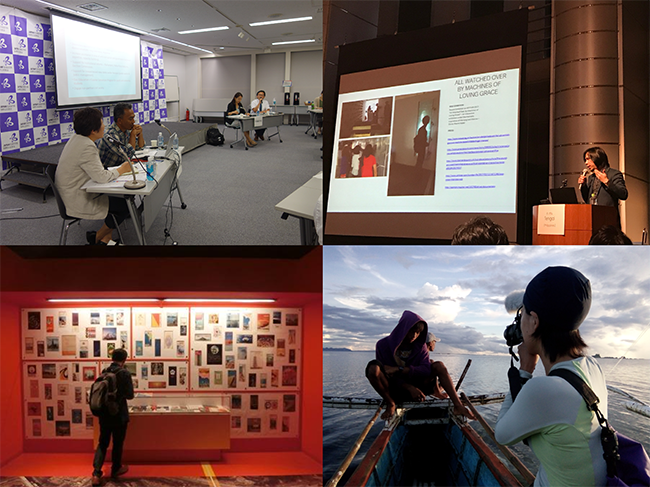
235,108
548,412
79,163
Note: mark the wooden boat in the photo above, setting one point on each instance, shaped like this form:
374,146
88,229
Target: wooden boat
424,445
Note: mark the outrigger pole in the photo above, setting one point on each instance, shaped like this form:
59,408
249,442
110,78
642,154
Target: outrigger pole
353,451
469,362
528,476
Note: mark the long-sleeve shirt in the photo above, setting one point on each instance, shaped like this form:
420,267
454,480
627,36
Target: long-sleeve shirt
563,433
109,153
79,163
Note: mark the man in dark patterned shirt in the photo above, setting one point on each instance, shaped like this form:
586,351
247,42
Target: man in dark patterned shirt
126,131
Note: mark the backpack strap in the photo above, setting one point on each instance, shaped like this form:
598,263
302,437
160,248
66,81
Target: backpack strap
608,437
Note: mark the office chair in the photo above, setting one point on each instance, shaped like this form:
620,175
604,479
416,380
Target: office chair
50,172
231,124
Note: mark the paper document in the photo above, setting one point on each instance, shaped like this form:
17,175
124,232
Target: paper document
116,183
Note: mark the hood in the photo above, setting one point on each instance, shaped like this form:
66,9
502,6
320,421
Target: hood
406,322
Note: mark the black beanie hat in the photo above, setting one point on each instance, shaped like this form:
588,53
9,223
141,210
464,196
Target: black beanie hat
560,296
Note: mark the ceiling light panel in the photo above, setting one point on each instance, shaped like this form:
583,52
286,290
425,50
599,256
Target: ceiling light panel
281,21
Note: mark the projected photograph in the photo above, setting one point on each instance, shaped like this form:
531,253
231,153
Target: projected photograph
415,142
366,118
364,158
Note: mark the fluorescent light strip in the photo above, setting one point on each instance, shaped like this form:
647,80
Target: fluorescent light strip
220,300
115,24
209,29
291,42
282,21
104,300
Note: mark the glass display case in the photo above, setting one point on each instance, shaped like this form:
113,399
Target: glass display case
146,403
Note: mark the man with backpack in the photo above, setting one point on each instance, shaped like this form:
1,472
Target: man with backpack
108,397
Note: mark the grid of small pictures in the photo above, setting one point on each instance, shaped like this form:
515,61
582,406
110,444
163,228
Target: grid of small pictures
160,333
156,375
68,334
264,415
245,349
56,399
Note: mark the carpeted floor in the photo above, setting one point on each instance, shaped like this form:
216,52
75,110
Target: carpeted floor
293,481
230,195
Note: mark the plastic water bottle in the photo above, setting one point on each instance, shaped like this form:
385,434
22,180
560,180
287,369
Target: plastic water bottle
273,105
161,140
151,168
175,141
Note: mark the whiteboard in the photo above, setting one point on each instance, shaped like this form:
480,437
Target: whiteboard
171,88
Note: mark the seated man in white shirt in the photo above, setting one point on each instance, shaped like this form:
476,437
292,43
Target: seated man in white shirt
260,106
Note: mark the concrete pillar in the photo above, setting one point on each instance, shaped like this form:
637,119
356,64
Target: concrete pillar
584,85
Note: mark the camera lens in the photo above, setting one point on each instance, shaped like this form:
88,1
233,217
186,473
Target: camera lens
512,333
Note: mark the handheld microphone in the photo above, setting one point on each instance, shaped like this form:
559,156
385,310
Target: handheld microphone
584,173
135,184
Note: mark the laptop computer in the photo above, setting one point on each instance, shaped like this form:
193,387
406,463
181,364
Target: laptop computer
166,154
564,196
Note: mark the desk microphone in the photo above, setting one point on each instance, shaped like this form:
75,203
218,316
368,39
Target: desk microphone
158,122
135,184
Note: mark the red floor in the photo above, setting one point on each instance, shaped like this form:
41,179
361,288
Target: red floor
232,464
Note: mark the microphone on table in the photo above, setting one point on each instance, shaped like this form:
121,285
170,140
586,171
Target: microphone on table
160,124
564,183
135,184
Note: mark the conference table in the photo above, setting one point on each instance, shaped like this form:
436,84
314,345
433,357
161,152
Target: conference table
250,123
301,204
153,194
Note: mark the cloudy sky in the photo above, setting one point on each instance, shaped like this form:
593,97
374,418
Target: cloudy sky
460,292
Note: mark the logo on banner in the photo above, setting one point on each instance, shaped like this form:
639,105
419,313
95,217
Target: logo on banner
37,83
9,122
7,62
21,44
35,48
3,45
21,66
39,28
39,63
52,100
23,102
43,133
10,100
41,99
66,115
28,139
25,81
18,27
50,67
6,84
3,20
54,133
28,117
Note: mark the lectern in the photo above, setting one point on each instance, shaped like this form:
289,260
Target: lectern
580,223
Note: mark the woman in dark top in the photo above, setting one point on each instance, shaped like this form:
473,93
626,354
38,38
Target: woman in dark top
234,108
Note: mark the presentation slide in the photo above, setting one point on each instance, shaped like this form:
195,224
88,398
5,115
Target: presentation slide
94,64
436,137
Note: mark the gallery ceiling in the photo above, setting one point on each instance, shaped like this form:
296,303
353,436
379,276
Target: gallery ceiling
168,17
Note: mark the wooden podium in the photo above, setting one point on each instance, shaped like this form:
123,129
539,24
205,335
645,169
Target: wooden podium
580,223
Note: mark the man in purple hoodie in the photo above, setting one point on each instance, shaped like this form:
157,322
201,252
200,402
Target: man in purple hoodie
402,371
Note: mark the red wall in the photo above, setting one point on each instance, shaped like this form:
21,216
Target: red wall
312,384
11,417
27,282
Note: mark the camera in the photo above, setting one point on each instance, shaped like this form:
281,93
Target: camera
512,333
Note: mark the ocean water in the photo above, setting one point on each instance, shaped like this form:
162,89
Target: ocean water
343,375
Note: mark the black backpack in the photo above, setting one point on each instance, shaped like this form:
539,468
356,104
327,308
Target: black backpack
103,395
214,136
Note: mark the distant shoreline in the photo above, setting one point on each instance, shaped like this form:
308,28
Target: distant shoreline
329,349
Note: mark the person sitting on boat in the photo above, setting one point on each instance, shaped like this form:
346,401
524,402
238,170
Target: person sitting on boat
431,346
548,411
402,371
